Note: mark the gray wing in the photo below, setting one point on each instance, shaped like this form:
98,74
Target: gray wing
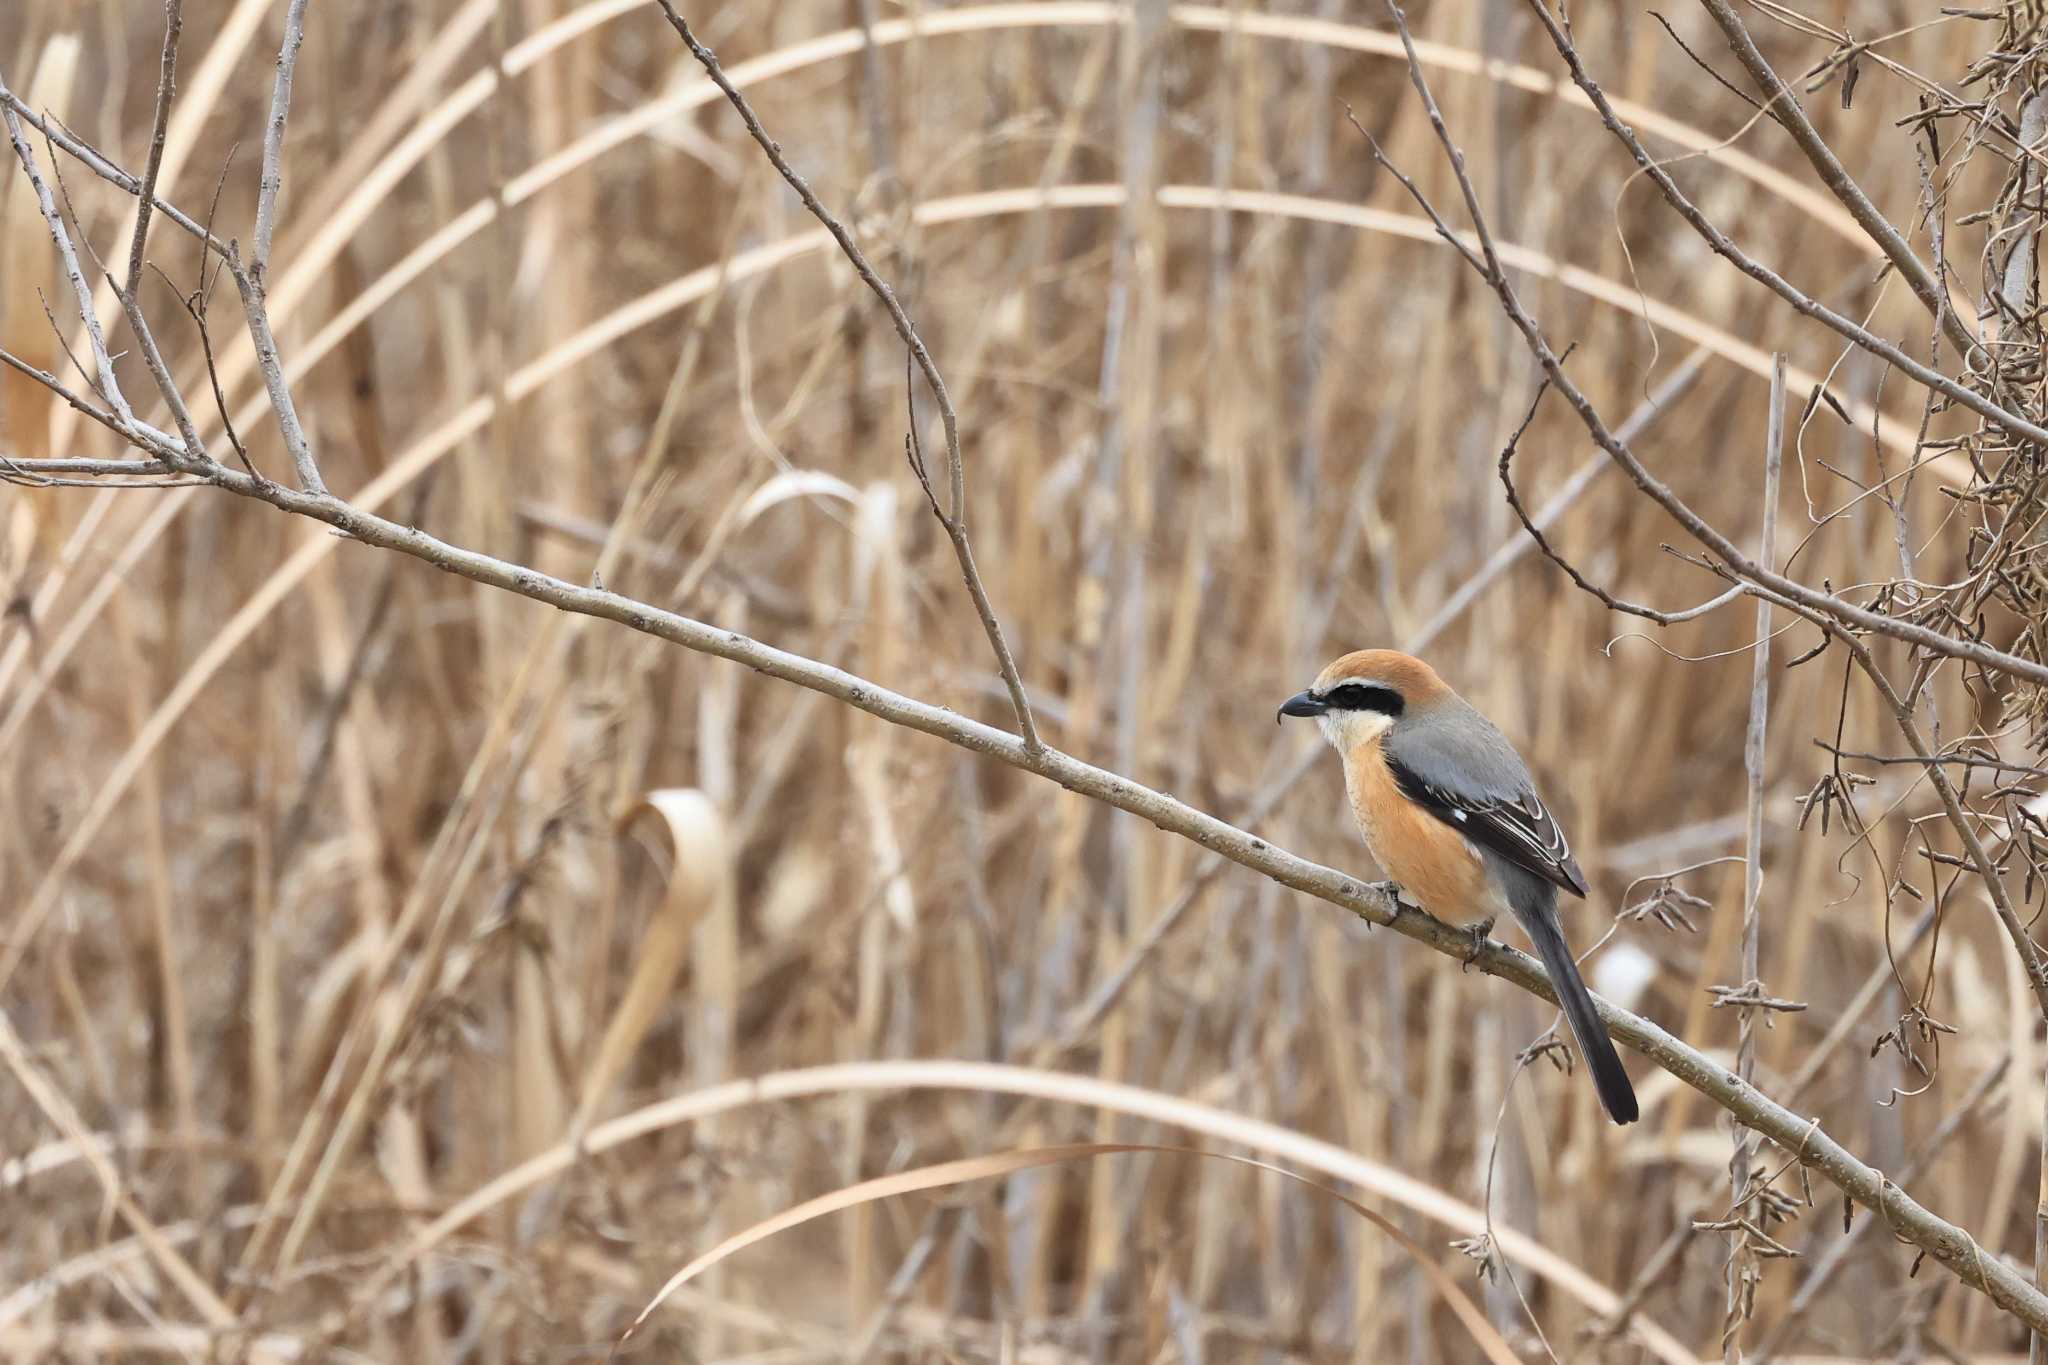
1466,774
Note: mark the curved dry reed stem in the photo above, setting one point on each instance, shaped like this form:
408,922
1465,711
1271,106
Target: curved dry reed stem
1802,1137
429,449
310,263
195,105
995,1165
1083,1092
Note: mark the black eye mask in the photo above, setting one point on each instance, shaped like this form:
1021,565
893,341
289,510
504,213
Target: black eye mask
1365,697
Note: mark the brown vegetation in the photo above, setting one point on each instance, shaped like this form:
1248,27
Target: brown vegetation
336,888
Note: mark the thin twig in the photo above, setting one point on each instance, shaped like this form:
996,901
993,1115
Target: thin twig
1980,860
103,363
1824,609
77,467
1742,1268
1797,1313
166,88
152,358
1835,176
1511,553
195,305
1660,1262
954,519
272,366
105,168
1725,247
1534,526
192,459
1789,592
273,141
157,444
250,279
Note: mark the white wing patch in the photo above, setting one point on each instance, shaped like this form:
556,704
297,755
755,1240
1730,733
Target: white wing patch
1521,829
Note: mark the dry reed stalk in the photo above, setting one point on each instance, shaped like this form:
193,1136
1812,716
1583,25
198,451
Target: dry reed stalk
347,1094
1315,1155
699,881
197,96
374,186
25,275
60,1111
1241,1002
1743,1273
482,411
172,1024
322,248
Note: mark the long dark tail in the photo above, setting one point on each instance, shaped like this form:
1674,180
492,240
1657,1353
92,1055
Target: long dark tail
1610,1079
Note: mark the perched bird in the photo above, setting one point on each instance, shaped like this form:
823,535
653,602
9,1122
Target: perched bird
1450,814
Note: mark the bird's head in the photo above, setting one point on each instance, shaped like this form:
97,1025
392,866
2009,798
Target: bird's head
1362,695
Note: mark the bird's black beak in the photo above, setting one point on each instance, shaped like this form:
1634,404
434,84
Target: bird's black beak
1302,704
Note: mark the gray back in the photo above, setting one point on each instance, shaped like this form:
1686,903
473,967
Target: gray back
1452,747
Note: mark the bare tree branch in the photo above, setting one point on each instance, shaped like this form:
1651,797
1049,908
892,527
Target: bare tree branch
1534,525
78,467
1824,609
1799,1137
1795,1317
1981,862
100,165
272,366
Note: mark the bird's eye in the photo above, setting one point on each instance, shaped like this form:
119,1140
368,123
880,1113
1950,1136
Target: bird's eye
1366,697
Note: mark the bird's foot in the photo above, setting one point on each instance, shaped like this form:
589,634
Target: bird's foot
1479,930
1390,889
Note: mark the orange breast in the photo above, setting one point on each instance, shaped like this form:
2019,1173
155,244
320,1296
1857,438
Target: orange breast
1433,862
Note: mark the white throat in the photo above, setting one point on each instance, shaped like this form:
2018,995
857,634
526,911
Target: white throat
1346,730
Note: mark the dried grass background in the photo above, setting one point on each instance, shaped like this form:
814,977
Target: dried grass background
1207,451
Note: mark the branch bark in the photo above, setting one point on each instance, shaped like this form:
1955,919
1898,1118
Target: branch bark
1964,1257
1789,592
2031,957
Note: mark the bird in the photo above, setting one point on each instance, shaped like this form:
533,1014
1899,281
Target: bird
1450,813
